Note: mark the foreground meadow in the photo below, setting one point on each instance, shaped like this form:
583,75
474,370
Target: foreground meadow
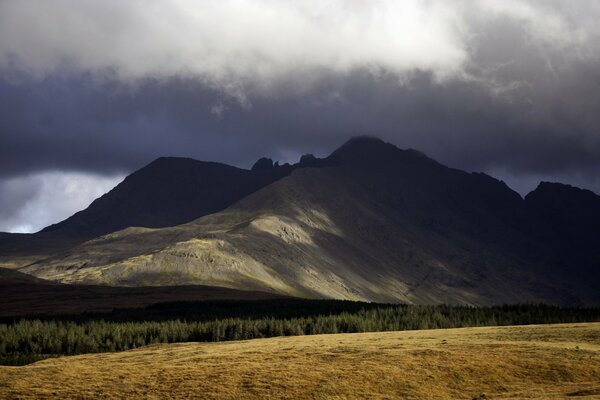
537,361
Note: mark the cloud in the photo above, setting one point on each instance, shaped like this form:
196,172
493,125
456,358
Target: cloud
238,44
230,43
30,203
102,88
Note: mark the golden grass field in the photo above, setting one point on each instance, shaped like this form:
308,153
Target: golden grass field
539,361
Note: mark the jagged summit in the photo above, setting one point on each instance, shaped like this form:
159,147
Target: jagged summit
370,150
262,164
359,150
558,189
560,201
309,160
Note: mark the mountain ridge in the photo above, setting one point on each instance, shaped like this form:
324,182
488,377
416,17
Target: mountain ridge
368,222
169,191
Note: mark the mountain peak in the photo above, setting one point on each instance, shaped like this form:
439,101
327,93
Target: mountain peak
359,147
559,196
170,160
544,185
263,164
364,139
371,150
560,189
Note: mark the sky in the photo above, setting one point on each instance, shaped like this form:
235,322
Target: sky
92,90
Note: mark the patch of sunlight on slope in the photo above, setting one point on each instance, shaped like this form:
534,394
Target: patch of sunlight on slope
283,228
297,235
296,229
318,219
123,233
195,261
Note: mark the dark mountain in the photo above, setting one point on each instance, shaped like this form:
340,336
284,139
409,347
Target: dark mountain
568,215
167,192
439,197
567,220
369,222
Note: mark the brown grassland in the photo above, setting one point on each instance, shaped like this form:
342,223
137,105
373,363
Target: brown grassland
537,361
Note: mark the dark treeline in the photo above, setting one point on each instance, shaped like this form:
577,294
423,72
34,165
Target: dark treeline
27,340
215,309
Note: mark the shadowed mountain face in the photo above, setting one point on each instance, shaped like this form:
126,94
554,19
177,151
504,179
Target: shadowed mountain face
369,222
568,219
167,192
566,212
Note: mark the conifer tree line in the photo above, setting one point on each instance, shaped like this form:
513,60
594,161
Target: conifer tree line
25,340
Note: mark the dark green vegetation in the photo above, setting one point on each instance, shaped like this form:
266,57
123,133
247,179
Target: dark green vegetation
28,339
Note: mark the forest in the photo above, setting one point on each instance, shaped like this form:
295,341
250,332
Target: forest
30,338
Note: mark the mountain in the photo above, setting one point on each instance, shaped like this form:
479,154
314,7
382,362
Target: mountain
568,219
169,191
369,222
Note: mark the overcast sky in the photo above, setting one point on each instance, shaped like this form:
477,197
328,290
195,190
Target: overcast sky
92,90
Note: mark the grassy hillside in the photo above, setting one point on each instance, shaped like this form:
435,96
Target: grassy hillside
372,223
296,238
531,362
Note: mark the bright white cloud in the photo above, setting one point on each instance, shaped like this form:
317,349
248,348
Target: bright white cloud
219,40
48,197
235,45
231,44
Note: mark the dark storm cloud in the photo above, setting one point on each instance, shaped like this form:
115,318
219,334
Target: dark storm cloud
68,125
511,87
